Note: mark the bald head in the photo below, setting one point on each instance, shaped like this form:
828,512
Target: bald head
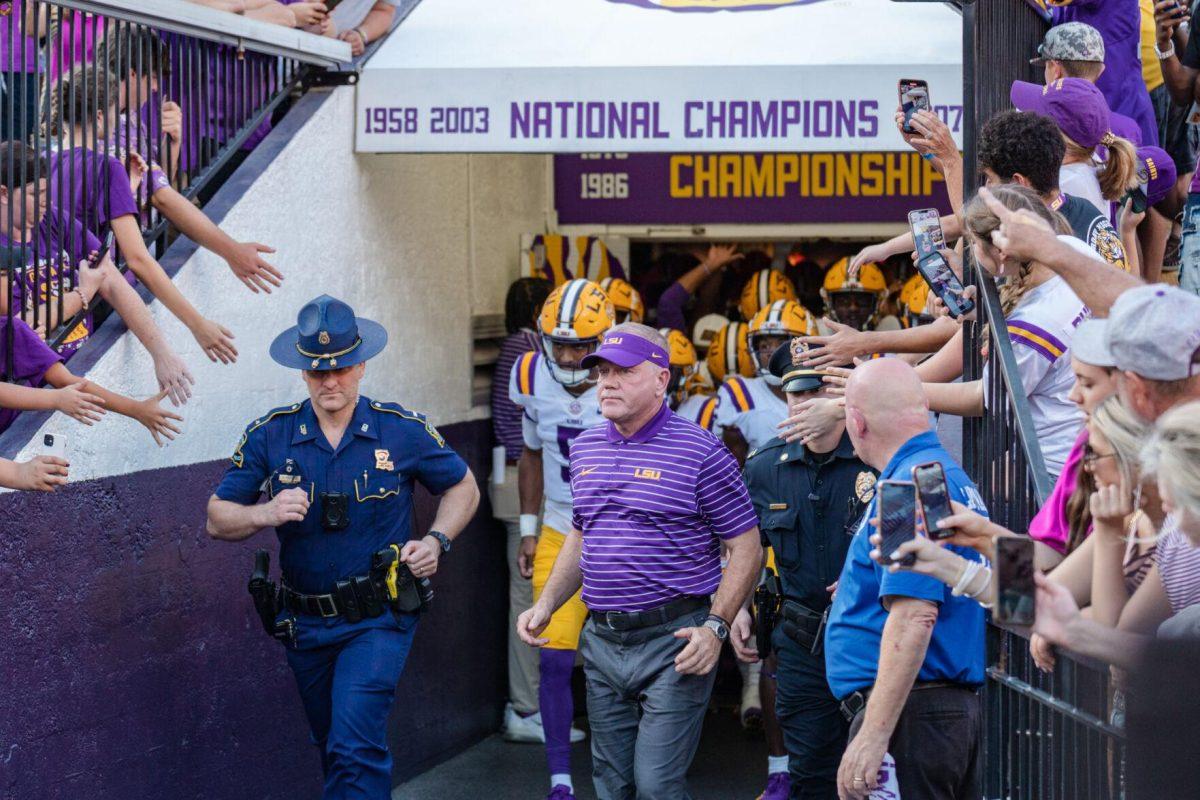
885,407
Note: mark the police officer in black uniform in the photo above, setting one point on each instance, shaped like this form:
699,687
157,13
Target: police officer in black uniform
339,469
808,499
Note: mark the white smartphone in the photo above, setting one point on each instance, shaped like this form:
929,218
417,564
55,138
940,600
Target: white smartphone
54,444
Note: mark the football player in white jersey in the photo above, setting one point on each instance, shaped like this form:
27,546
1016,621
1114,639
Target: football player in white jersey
559,400
689,393
751,409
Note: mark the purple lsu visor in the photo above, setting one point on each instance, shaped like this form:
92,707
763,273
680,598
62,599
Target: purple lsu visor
627,350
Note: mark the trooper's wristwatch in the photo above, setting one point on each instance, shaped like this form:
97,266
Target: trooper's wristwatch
443,540
717,626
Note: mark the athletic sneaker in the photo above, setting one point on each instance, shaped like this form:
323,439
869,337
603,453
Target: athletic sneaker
562,792
529,729
779,785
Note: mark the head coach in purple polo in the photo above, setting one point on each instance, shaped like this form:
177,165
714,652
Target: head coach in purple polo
655,496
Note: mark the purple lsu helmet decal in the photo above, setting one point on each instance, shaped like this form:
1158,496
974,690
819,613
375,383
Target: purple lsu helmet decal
716,5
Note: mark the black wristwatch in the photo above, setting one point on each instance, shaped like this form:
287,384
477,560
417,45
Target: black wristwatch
717,626
443,540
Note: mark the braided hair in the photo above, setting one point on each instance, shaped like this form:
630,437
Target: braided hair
980,222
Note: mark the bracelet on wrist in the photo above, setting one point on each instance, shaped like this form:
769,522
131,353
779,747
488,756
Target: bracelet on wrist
362,36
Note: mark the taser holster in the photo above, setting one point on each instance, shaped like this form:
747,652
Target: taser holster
404,591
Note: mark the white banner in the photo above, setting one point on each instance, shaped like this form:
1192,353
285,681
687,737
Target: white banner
643,109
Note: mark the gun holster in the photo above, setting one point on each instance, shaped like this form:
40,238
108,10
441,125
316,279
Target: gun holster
402,590
266,601
767,600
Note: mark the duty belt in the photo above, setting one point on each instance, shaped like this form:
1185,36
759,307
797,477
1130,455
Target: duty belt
804,626
633,620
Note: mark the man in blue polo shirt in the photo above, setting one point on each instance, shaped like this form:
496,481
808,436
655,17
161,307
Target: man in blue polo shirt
904,655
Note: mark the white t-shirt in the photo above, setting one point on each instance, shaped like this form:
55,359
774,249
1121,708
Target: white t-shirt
749,405
553,418
1040,329
1079,180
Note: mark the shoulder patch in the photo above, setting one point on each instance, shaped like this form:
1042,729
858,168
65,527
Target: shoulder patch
401,411
238,458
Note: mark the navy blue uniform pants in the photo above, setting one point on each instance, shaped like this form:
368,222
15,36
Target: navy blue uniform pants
347,676
814,729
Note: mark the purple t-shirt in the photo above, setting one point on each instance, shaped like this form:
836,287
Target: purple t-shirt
24,56
92,187
32,359
51,264
128,131
670,307
652,509
1120,25
1050,526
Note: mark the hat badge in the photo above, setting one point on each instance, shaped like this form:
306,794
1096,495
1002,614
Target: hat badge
798,348
323,337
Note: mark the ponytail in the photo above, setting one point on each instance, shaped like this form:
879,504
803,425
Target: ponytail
1119,173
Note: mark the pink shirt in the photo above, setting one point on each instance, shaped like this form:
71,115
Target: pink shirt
1050,526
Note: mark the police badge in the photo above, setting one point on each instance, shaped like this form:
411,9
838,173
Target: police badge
864,486
383,460
798,348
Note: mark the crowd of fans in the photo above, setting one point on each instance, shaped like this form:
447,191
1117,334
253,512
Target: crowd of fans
1088,219
106,129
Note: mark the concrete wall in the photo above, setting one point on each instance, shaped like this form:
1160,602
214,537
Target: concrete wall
133,663
419,243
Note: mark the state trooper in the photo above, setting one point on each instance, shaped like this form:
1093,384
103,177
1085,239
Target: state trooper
808,499
339,470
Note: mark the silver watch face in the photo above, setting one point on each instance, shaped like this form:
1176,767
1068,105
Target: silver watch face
718,628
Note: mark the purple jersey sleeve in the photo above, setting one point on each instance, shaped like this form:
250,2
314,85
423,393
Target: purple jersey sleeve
721,494
120,195
32,357
670,307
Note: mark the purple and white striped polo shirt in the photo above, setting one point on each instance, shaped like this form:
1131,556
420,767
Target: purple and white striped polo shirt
651,509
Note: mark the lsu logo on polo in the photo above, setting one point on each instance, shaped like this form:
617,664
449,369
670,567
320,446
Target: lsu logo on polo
647,474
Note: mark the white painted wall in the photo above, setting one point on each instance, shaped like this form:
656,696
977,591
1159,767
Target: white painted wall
418,243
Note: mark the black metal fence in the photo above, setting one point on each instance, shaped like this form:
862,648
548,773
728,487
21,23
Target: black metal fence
1047,735
105,118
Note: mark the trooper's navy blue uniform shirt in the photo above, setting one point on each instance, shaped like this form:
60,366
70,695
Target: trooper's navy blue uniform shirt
384,450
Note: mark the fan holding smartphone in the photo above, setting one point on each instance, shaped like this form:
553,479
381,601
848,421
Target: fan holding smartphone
899,643
927,234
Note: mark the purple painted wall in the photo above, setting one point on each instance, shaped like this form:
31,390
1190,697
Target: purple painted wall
133,664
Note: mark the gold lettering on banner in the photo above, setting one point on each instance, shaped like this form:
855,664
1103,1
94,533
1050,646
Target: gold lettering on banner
722,176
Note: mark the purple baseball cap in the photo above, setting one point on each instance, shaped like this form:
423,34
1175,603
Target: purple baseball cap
1156,172
1075,105
626,349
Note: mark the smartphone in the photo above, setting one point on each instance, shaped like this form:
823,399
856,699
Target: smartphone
104,249
1014,580
926,225
945,284
914,97
1140,201
897,517
54,444
933,498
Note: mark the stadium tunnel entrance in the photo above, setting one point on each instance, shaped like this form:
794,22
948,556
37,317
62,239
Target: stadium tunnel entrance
418,196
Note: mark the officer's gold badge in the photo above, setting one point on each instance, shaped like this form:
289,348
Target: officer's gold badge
864,486
323,337
383,460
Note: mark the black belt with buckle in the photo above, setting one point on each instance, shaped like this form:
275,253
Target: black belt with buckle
633,620
355,599
856,701
804,626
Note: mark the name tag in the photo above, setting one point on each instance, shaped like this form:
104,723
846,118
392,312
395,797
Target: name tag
778,506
